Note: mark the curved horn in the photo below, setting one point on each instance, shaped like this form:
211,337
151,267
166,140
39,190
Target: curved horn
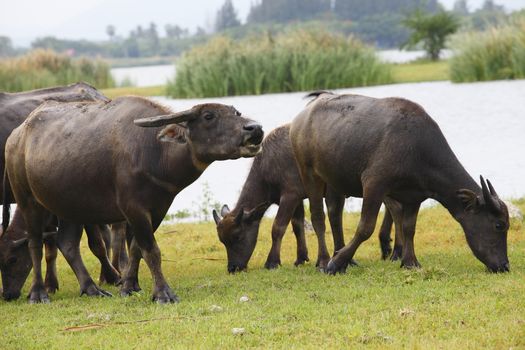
492,190
161,120
492,201
216,217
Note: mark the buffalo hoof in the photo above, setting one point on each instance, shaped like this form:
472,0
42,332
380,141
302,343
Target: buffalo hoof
353,263
94,291
10,296
321,264
333,268
410,264
386,250
129,287
51,285
396,254
272,265
109,276
38,295
164,296
301,260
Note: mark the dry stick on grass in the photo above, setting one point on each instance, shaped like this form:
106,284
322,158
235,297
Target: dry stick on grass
90,326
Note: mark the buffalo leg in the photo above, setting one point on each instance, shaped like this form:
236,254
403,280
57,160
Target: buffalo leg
384,235
409,259
130,281
396,212
372,200
69,235
143,229
51,281
34,218
96,242
298,230
119,256
287,206
335,204
316,189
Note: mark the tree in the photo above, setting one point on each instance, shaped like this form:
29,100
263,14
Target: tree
110,31
226,17
6,46
461,7
431,30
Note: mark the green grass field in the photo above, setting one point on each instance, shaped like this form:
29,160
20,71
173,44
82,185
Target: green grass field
401,73
450,303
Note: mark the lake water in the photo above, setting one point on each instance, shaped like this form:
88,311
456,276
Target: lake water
483,122
144,75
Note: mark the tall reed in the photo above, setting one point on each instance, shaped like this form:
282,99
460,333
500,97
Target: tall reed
497,53
296,61
44,68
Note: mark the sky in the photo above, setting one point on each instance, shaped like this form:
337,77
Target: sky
25,20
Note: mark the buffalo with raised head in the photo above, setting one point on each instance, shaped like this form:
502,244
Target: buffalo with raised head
125,160
391,150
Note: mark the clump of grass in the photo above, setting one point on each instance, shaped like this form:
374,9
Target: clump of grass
296,61
498,53
44,68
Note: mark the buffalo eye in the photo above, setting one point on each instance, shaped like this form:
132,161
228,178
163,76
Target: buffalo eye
209,115
500,225
11,260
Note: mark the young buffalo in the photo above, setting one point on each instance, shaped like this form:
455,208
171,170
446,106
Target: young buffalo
391,150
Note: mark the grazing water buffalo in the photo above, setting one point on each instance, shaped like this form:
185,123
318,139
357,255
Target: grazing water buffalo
391,150
15,261
274,179
92,163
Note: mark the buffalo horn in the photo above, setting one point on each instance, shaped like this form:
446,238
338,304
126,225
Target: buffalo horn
491,200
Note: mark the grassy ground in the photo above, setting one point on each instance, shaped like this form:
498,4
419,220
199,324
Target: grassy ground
401,73
420,71
450,303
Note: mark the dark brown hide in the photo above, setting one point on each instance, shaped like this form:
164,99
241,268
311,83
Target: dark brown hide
390,150
90,163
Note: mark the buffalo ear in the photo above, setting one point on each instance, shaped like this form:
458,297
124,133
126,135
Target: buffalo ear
225,210
256,212
469,198
19,242
239,217
216,217
172,133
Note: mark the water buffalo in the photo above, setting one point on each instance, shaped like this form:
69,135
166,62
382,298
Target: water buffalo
390,149
14,109
15,261
274,179
109,162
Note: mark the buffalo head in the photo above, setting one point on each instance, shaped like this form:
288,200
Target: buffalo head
213,131
238,231
485,221
15,265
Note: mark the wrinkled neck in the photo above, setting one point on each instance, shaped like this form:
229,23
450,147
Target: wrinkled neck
446,185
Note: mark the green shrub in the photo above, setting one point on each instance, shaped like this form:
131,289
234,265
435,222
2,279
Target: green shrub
498,53
45,68
297,61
